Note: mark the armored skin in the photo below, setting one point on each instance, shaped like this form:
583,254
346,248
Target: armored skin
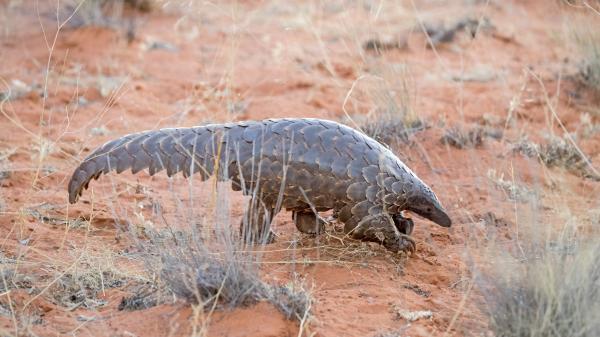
303,165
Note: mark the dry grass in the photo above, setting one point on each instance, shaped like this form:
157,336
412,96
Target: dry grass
217,272
106,13
80,283
206,263
558,152
473,137
5,166
145,296
391,116
461,139
587,40
513,190
554,292
389,129
91,275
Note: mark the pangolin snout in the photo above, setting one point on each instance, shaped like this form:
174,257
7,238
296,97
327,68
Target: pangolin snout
432,211
441,218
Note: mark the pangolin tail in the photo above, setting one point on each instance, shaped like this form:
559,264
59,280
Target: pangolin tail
187,150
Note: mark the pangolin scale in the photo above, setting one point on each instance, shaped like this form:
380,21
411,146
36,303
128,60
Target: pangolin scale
302,165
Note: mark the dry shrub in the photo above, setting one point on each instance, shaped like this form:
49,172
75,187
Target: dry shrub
395,117
514,191
391,116
473,137
587,40
141,5
544,282
208,262
554,292
105,13
11,279
145,296
82,289
81,284
389,129
5,165
461,139
558,152
218,272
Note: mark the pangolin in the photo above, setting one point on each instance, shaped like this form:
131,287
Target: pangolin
303,165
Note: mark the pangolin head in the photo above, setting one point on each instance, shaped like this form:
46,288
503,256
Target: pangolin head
426,204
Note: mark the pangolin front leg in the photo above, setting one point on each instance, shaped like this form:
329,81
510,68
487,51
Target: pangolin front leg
308,222
403,224
381,228
256,223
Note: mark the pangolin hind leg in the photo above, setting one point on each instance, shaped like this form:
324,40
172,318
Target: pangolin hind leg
256,223
382,229
308,222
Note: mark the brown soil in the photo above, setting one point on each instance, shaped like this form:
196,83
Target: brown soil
78,87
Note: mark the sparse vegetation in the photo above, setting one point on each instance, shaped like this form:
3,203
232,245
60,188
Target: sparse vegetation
439,35
10,279
43,213
89,277
392,116
554,292
82,289
460,139
380,45
471,138
558,152
5,163
514,191
146,296
164,250
221,274
388,129
587,39
105,13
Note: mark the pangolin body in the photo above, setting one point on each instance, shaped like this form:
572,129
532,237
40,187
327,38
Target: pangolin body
302,165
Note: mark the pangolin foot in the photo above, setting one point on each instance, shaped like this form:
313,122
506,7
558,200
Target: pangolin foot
401,243
382,228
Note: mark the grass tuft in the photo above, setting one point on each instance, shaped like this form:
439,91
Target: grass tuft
587,40
87,279
461,139
514,191
82,289
144,297
389,129
558,152
556,293
392,116
106,13
223,275
5,166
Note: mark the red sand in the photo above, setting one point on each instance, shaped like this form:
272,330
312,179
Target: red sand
270,59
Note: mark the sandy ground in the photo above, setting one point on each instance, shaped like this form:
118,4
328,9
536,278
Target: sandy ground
74,88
